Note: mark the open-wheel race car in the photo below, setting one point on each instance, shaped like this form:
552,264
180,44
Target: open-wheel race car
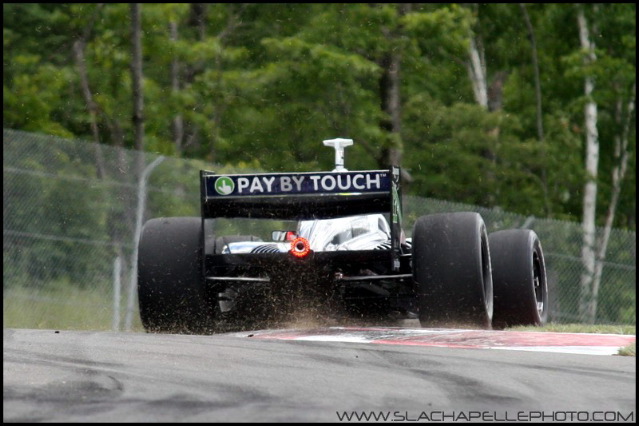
267,244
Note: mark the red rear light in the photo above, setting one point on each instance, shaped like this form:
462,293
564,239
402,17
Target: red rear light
290,235
300,247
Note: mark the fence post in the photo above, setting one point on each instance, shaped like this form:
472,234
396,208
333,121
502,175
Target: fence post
528,222
138,230
117,270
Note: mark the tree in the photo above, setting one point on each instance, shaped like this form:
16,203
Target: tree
587,296
622,80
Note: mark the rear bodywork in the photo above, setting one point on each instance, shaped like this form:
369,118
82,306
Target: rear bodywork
352,220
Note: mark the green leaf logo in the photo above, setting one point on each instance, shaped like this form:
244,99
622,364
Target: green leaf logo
224,185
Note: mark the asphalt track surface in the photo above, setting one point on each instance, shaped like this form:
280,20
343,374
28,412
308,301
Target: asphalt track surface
85,376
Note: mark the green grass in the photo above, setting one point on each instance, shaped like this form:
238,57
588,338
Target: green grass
61,308
582,328
629,350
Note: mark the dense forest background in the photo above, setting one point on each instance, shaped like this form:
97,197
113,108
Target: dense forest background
525,107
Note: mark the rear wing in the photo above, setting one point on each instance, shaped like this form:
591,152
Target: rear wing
296,195
303,196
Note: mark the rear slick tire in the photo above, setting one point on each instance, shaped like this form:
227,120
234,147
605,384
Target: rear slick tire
451,270
171,292
519,279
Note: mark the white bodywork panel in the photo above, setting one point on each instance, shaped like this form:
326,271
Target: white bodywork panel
365,232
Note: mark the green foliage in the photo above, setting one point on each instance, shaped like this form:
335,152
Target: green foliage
441,32
264,84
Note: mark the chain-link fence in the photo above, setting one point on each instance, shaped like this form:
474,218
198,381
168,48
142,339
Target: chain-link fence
72,210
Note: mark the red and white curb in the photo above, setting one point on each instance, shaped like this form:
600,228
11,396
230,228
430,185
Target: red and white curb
576,343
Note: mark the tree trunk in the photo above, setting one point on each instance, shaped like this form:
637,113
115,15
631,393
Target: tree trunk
540,115
618,174
535,63
197,21
477,71
588,249
219,107
177,126
391,105
390,98
92,108
136,74
197,18
490,100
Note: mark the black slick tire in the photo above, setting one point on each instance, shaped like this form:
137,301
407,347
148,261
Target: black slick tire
519,278
451,271
171,292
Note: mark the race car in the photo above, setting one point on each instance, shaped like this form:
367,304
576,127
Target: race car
269,244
